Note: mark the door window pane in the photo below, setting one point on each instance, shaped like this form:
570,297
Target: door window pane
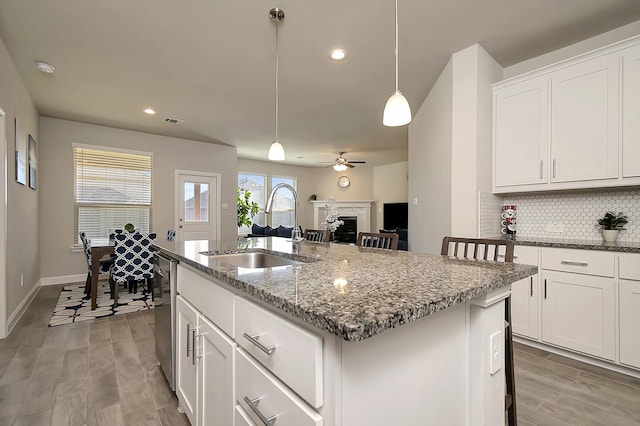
196,202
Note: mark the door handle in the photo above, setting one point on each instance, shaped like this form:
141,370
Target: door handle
531,293
545,288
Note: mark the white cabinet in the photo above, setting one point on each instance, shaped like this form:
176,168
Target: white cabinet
525,296
186,386
521,121
578,301
205,367
584,120
631,112
629,267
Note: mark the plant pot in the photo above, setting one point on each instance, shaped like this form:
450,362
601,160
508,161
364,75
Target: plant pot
610,235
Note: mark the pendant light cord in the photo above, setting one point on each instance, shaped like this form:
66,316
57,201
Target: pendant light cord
277,80
396,45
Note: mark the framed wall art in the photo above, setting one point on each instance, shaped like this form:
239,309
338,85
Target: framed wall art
21,157
32,163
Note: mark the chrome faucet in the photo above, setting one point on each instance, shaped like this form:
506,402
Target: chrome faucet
295,233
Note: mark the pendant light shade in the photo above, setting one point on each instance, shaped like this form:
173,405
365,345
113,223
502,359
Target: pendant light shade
397,111
276,150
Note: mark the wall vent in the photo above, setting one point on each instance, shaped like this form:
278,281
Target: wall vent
171,120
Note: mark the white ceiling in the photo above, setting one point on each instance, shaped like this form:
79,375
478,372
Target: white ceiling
211,63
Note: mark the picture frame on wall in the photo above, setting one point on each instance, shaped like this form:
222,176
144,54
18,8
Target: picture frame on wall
21,157
33,163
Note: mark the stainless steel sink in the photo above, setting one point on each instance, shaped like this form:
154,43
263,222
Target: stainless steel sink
256,260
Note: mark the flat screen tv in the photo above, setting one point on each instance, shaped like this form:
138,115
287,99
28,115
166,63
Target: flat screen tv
396,215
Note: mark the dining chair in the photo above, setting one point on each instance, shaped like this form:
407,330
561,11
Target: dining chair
317,235
105,265
489,249
378,240
134,262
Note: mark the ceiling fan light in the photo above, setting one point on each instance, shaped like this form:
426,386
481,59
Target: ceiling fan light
276,152
340,167
397,111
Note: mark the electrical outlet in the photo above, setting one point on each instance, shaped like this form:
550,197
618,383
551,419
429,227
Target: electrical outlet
21,280
496,346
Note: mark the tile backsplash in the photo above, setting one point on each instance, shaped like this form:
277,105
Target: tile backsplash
576,212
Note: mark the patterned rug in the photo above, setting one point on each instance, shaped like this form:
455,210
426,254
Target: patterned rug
73,307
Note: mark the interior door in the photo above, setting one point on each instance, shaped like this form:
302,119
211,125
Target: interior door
197,206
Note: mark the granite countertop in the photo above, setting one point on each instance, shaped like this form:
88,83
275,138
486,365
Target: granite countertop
578,244
351,292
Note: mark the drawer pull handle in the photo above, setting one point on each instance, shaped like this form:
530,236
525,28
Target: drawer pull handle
254,339
569,262
253,404
531,294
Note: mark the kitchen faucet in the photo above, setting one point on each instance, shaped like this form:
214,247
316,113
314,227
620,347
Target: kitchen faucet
295,233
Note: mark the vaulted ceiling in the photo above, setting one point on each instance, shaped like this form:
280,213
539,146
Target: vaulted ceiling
211,63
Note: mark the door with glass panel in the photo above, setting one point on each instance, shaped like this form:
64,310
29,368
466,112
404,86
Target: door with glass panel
197,206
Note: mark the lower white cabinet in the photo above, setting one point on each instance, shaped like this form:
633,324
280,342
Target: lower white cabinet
525,297
578,312
630,309
205,366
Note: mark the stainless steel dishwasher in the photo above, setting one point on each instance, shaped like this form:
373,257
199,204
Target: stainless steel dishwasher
165,315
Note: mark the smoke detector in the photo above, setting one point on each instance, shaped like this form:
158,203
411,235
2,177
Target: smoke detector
172,120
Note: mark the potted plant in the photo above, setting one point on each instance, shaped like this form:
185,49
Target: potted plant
247,209
130,227
611,223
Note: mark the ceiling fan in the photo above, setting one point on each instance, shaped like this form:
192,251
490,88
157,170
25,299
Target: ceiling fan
341,164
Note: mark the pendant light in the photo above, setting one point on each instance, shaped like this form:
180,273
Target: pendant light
397,111
276,151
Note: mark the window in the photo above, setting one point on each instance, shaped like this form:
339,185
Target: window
283,204
256,185
112,188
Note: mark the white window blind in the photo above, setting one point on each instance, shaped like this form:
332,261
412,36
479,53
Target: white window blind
112,188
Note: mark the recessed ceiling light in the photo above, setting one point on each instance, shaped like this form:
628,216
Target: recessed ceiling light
337,54
149,111
45,67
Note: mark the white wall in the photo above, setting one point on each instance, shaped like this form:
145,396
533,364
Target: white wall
169,154
430,167
390,185
22,256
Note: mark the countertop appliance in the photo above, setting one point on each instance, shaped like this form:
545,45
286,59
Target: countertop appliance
164,293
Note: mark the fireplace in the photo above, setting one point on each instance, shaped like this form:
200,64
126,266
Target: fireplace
348,231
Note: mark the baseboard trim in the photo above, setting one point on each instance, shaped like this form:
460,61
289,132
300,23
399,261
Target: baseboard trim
63,279
629,371
22,308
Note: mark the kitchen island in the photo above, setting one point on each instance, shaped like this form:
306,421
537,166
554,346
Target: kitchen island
376,337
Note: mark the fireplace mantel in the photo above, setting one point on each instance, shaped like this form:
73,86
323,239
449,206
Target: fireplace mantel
361,209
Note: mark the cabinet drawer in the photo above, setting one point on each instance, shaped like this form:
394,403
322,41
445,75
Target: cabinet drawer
254,382
210,299
629,266
297,355
588,262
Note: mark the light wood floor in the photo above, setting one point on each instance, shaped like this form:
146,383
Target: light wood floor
99,372
105,372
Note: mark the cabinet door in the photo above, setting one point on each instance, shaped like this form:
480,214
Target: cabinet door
186,323
585,120
631,112
630,322
525,296
521,133
216,363
578,312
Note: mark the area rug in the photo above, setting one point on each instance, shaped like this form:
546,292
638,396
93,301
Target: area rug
73,307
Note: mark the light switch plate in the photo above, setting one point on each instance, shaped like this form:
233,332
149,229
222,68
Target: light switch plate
496,345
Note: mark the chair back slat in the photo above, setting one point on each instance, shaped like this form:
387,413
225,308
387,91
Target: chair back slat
317,235
481,248
385,241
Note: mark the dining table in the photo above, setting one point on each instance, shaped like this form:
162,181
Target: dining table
100,247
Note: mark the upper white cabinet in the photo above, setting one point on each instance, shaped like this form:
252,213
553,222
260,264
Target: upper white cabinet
521,133
572,125
584,120
631,112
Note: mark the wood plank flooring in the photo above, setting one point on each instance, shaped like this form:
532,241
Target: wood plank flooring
105,372
100,372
